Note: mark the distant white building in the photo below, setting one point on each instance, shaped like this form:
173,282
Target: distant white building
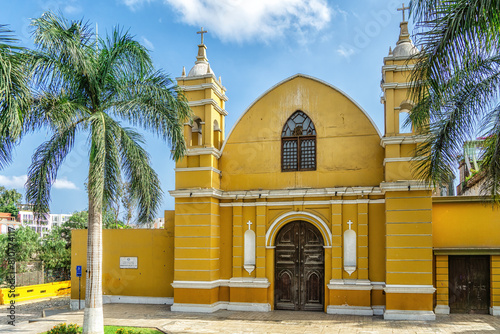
156,223
42,226
6,221
59,219
159,222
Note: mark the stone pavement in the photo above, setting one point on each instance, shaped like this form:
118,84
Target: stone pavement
288,322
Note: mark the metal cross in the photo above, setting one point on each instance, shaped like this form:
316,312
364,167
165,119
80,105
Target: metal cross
350,223
201,32
401,9
249,223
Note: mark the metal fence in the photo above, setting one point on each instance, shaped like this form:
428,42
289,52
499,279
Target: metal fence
32,273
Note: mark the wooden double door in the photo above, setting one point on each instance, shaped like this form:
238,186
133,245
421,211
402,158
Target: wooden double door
469,284
299,268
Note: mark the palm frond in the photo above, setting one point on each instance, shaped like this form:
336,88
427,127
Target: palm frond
143,181
46,161
456,78
64,57
491,155
121,56
154,103
15,94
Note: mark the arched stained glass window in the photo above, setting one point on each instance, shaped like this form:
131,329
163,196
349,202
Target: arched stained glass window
298,143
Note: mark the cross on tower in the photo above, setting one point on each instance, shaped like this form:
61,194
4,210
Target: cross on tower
249,223
350,223
401,9
201,32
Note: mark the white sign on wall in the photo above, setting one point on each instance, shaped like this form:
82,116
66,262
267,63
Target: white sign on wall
128,262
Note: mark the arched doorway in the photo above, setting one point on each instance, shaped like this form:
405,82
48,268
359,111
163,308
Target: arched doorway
299,268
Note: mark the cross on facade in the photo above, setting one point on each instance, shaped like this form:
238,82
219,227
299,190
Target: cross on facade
401,9
201,32
350,223
249,223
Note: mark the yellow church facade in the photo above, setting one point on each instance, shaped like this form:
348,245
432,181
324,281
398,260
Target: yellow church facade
303,205
336,221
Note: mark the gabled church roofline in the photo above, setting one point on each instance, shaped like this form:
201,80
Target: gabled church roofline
289,79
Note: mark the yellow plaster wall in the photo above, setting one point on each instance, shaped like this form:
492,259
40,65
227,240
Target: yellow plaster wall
251,158
441,279
152,247
376,243
248,295
464,224
409,237
409,301
350,297
196,296
197,239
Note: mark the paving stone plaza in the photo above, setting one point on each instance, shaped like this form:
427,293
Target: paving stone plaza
288,322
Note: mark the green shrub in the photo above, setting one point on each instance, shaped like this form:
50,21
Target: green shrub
65,329
126,331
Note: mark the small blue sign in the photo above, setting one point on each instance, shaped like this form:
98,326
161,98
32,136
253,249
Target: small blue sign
78,271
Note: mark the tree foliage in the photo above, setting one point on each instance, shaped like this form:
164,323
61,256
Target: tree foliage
55,251
456,85
15,95
9,197
85,84
26,245
11,208
9,200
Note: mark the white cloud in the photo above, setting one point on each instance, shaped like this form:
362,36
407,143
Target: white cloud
134,4
147,43
16,182
345,52
70,9
64,183
242,20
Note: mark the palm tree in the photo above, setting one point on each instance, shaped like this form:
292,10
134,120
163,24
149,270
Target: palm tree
457,82
15,95
86,84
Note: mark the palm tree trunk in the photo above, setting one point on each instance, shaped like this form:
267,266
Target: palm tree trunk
93,322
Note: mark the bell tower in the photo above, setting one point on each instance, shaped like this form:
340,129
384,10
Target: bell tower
197,231
399,138
204,134
409,286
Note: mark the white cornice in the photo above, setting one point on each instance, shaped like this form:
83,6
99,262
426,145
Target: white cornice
404,185
390,58
200,284
204,86
235,282
396,85
285,203
203,150
279,193
205,102
348,284
398,140
205,76
243,282
198,169
402,159
397,68
400,288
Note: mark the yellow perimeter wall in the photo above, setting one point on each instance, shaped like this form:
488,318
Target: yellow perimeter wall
32,292
152,247
464,223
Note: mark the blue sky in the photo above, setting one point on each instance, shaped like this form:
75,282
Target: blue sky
252,45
